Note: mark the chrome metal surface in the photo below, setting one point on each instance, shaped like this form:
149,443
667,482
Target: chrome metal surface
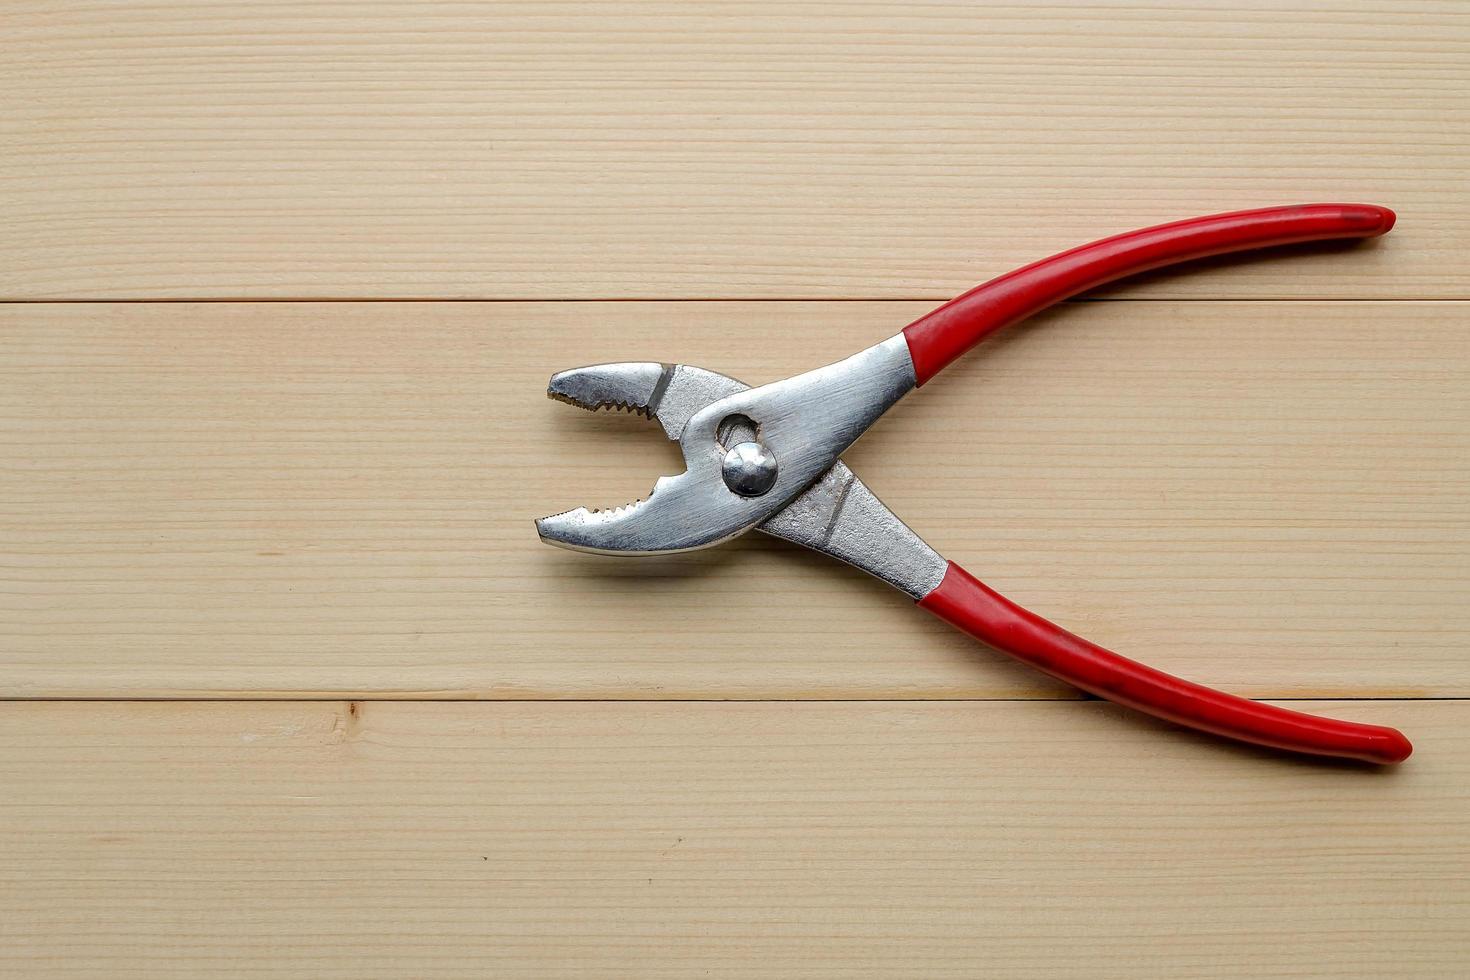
631,385
839,516
749,469
691,389
806,421
667,393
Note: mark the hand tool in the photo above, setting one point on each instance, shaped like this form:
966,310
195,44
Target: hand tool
767,458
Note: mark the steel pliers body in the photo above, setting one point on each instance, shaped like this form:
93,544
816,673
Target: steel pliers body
768,458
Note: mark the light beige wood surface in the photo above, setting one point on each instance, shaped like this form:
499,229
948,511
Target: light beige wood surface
749,761
315,499
856,839
659,150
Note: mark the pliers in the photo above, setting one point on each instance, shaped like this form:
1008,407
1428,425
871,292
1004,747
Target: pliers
767,458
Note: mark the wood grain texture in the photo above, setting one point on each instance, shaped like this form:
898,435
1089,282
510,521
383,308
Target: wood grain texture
247,500
665,150
718,840
323,499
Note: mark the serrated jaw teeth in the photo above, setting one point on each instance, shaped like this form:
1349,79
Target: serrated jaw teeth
586,528
642,410
629,386
605,530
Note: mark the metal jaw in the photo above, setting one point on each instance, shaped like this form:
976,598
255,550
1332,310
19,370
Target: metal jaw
804,422
669,394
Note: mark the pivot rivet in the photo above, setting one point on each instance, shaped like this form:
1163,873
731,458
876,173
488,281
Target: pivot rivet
749,469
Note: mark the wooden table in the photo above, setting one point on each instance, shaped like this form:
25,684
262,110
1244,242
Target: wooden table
294,691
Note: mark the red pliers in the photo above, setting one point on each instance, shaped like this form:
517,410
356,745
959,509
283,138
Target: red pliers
767,458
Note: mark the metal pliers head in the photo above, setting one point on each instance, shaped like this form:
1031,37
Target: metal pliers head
748,452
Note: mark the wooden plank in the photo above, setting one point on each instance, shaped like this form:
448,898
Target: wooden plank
336,499
675,840
774,149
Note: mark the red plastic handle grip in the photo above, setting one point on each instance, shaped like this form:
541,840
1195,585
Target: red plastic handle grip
939,337
964,601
